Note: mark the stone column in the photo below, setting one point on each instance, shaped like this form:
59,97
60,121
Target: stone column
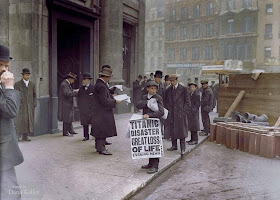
111,37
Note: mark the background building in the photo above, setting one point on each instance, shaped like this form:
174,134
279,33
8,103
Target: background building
155,36
54,37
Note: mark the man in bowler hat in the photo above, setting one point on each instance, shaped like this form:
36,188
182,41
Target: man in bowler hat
66,104
158,80
85,96
10,154
25,119
103,103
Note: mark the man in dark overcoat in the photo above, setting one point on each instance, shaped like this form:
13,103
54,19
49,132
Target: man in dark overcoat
213,88
25,119
137,92
158,80
148,113
84,97
10,154
103,120
206,107
177,102
193,117
66,104
167,84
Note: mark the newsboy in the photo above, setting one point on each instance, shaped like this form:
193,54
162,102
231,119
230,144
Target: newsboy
177,102
25,119
152,87
85,96
103,120
66,104
10,154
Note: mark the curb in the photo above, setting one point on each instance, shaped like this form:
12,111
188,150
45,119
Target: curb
138,189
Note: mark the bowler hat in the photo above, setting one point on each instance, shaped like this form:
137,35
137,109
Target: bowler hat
71,75
25,71
158,74
204,81
152,83
192,83
86,76
166,78
5,53
173,77
106,72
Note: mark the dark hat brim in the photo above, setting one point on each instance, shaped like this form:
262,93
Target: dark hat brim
25,73
7,59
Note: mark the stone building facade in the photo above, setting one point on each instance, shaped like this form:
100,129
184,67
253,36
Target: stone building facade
191,36
54,37
155,36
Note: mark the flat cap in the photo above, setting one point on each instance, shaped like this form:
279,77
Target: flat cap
151,83
192,83
173,77
204,81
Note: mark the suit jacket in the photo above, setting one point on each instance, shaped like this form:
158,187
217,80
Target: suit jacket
178,103
65,102
25,118
137,92
85,98
10,154
193,117
142,104
103,119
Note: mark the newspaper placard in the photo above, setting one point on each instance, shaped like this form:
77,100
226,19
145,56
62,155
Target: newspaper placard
146,138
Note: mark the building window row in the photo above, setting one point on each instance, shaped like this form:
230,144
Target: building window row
195,54
231,4
239,51
247,26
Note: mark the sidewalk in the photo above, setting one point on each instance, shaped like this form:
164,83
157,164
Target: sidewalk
58,167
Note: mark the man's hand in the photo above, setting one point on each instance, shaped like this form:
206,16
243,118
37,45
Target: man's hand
114,95
7,79
118,101
146,116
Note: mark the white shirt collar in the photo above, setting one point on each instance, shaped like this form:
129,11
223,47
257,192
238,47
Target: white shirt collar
176,85
26,82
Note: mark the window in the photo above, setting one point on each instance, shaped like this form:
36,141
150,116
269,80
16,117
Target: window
248,24
229,51
159,45
172,34
269,9
172,15
243,52
153,31
195,53
183,53
152,62
231,5
184,33
247,3
196,11
171,54
268,30
209,30
267,52
196,31
184,13
209,52
230,26
210,8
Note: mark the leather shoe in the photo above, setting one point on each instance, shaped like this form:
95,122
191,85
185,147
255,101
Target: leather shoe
107,143
192,142
152,170
68,134
146,167
85,139
172,149
105,153
203,133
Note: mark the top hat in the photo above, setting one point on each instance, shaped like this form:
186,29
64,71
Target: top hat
106,72
86,76
173,77
71,75
151,83
5,53
25,71
204,81
158,74
166,78
192,83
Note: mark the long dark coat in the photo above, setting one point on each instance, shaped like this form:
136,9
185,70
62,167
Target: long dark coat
160,90
65,102
178,107
137,92
103,119
25,118
10,154
193,117
142,104
207,100
85,98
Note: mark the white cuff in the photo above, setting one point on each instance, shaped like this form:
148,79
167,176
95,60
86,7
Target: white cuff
9,87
